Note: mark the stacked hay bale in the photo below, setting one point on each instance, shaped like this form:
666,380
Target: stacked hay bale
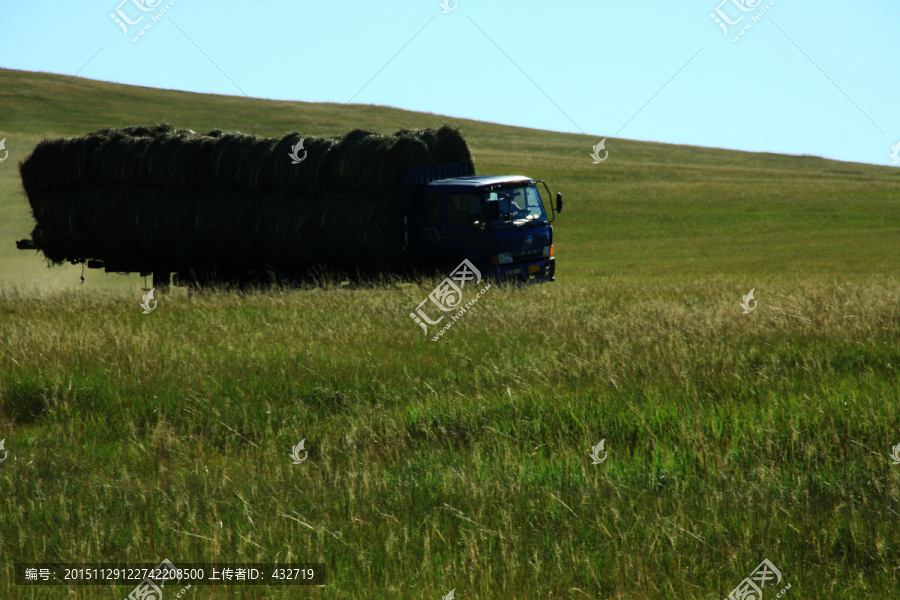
214,230
445,145
160,198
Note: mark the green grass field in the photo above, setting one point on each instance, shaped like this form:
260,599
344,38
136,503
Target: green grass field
464,463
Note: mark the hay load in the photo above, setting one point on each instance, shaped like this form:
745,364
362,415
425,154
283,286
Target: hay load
445,144
180,159
218,230
146,198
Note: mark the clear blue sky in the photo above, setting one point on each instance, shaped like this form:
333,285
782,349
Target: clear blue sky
808,78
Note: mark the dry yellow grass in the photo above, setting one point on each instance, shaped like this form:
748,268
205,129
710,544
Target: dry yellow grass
464,463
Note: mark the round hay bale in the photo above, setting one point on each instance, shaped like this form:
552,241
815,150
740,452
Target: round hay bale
40,207
31,170
87,154
134,158
195,172
182,151
184,159
162,130
56,161
339,167
51,243
268,176
311,175
407,152
112,165
92,165
137,131
63,173
429,136
214,153
162,150
450,146
228,160
359,167
225,157
74,216
252,153
315,170
371,168
150,161
320,166
276,166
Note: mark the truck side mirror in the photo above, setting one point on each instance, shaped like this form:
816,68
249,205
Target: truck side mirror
493,210
559,202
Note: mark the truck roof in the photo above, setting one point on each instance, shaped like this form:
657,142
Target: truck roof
480,180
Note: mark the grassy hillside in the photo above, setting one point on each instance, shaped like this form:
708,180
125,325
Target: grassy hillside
463,464
650,209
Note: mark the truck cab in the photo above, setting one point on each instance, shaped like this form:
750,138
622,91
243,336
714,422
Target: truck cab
498,222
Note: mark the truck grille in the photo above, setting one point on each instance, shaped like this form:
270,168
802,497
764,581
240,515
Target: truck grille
528,255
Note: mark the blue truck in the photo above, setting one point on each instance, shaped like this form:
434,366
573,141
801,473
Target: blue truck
498,222
427,220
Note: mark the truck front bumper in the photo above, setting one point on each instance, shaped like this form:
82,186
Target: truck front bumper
531,272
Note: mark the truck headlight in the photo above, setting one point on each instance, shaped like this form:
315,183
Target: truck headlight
505,258
548,252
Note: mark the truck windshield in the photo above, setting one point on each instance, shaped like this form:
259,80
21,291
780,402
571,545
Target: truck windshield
522,203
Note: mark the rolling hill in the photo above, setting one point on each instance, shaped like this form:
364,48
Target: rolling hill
730,437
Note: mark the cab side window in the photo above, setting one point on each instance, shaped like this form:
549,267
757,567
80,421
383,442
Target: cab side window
458,209
465,209
431,209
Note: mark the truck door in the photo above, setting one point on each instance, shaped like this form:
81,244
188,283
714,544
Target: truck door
465,230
